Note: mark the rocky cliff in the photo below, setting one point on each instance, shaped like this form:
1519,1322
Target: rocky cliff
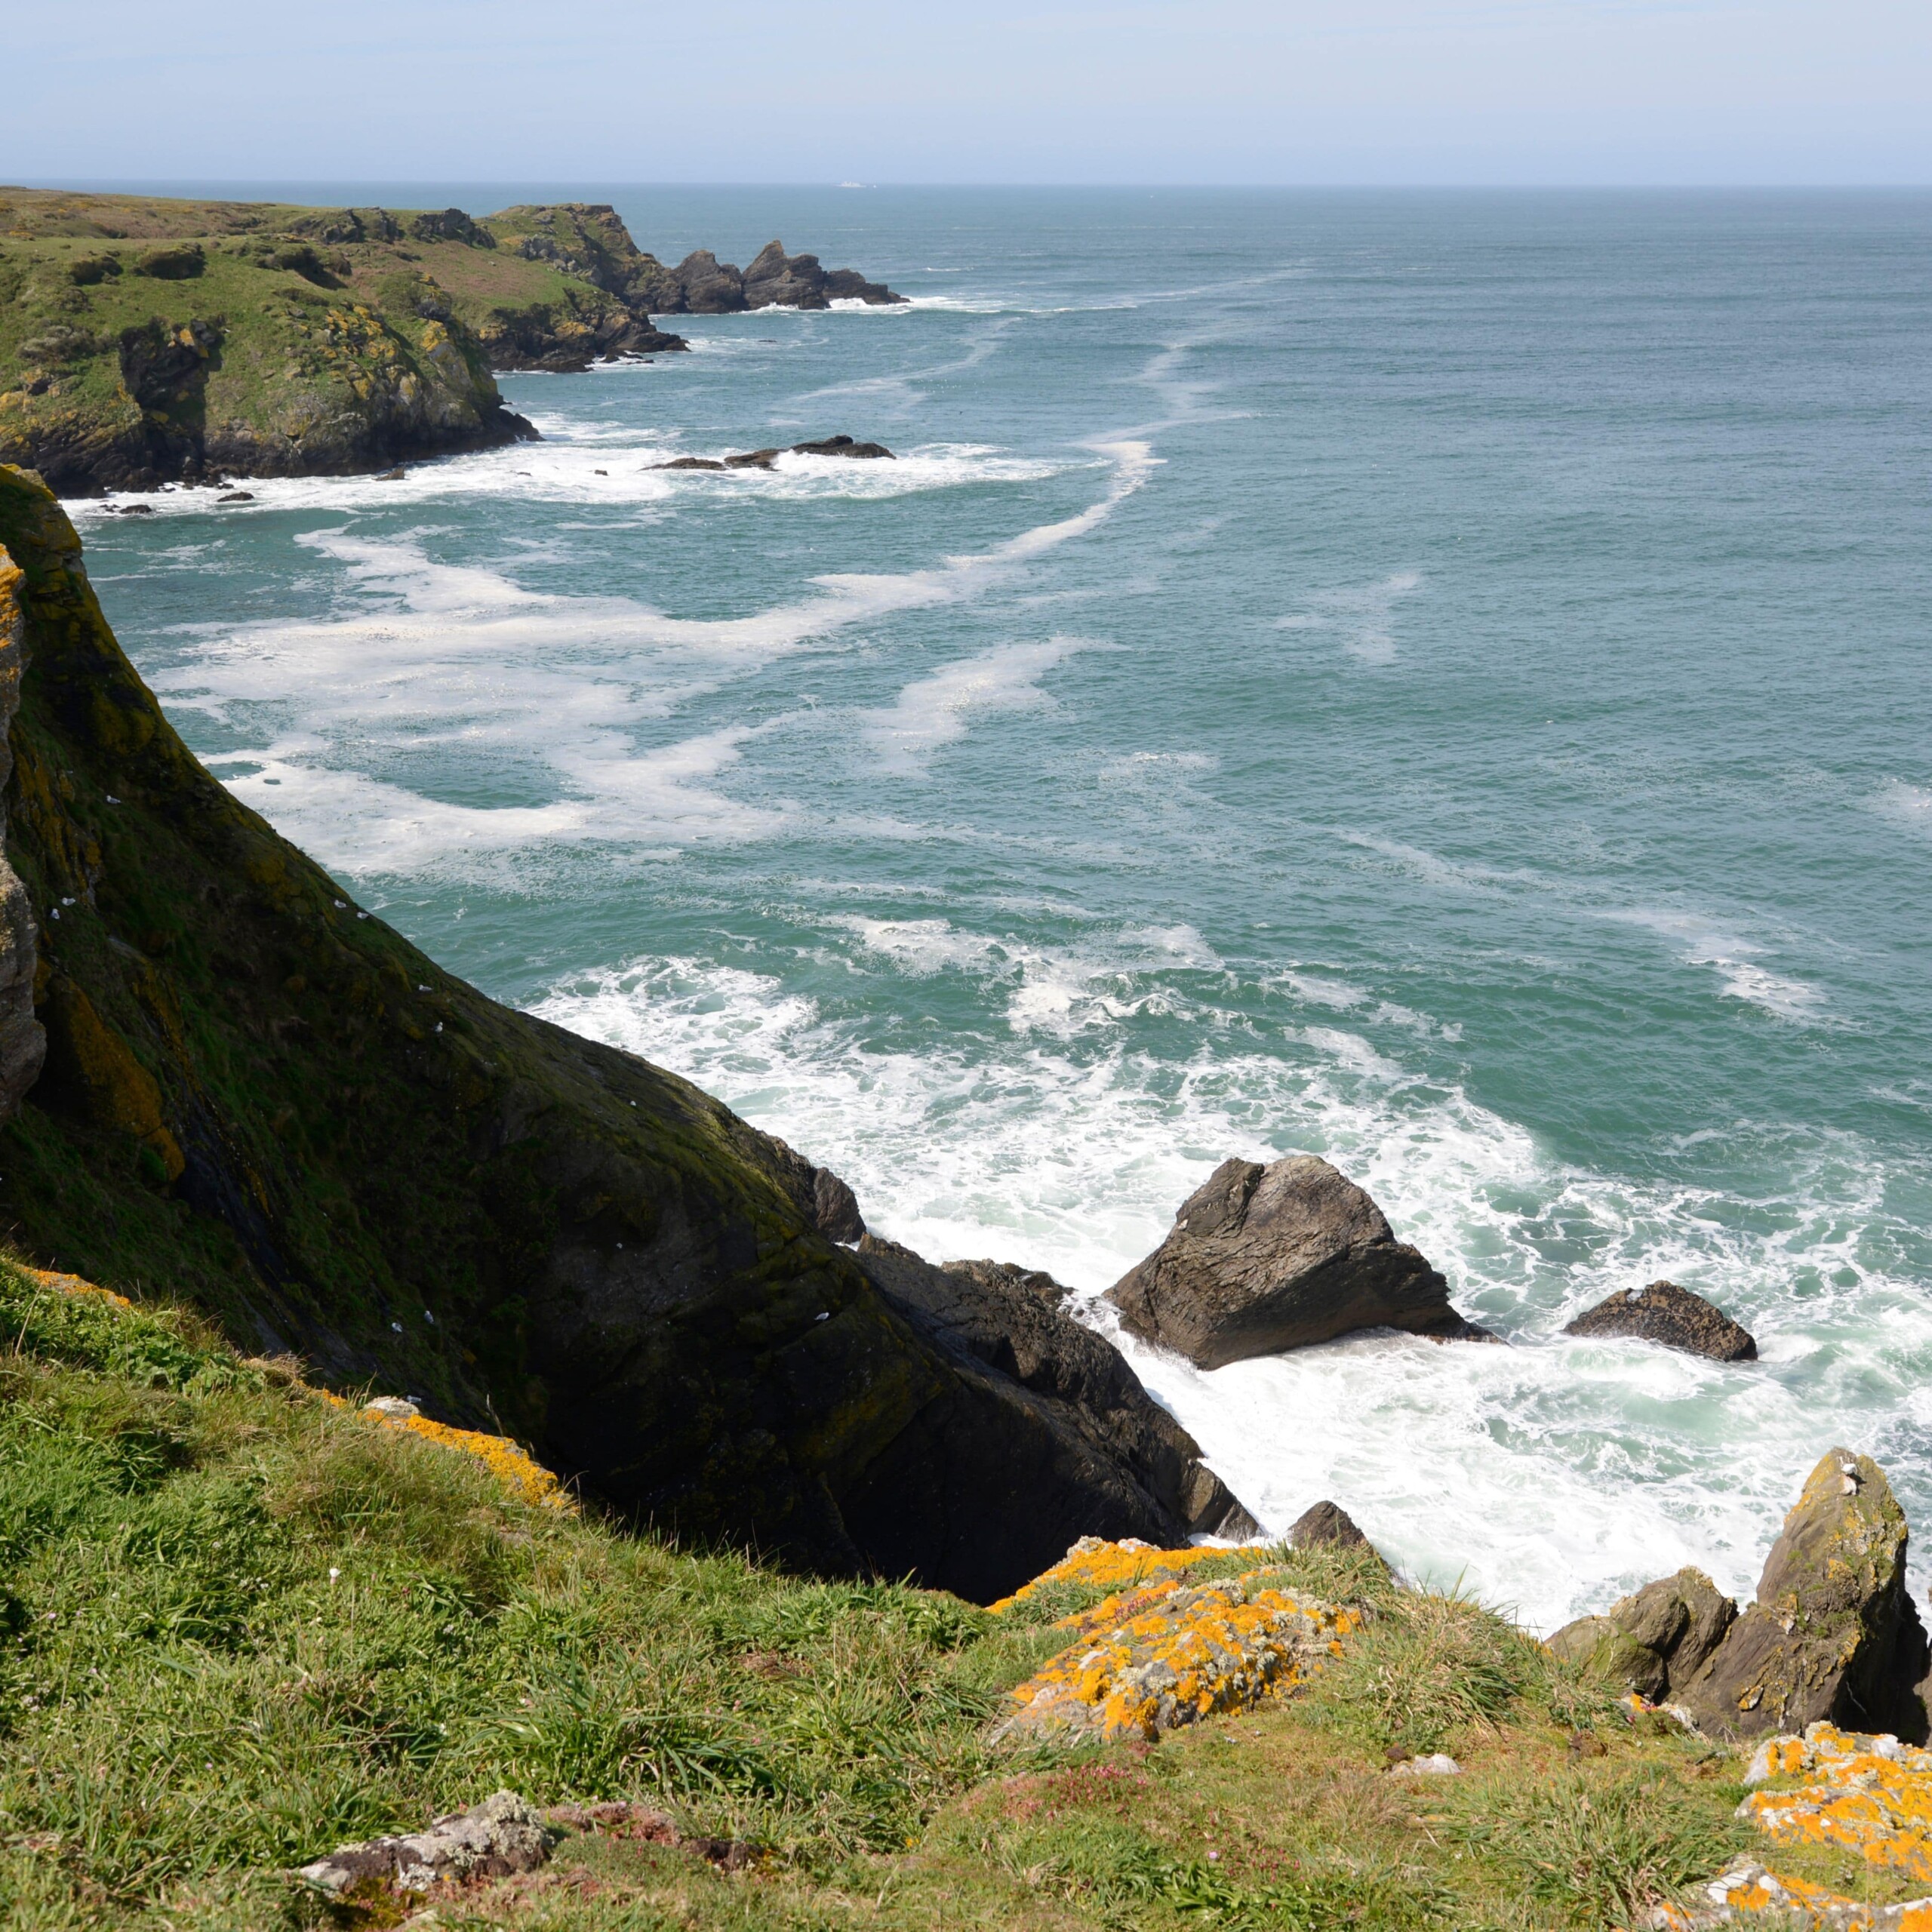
263,1095
145,340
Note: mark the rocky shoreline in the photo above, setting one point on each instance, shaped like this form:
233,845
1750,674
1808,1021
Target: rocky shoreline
145,341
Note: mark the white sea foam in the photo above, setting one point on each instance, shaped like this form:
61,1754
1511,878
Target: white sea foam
1362,615
555,689
1734,960
1908,805
597,467
936,710
1553,1474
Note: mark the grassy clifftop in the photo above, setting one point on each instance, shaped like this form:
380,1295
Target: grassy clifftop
240,1625
143,339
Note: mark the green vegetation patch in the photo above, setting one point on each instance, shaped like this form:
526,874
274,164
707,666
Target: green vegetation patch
239,1626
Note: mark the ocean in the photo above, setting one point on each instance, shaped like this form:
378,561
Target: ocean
1436,680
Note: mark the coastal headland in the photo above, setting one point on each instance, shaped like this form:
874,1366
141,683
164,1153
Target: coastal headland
145,341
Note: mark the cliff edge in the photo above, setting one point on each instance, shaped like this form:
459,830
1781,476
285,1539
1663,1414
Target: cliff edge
263,1096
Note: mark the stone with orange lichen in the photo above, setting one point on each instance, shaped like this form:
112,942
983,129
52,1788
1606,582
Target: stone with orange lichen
1152,1659
1872,1796
1868,1793
1124,1567
72,1284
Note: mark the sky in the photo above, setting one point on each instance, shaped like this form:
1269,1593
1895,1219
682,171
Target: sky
1524,92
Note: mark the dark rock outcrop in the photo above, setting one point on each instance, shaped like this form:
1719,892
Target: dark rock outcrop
1264,1259
1654,1642
1674,1316
1833,1634
767,459
701,285
1136,1462
1326,1522
272,1103
22,1039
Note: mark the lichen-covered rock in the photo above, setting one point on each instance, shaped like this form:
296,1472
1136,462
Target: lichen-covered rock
1665,1313
1745,1892
1833,1634
502,1835
1263,1259
1151,1659
1868,1795
1654,1641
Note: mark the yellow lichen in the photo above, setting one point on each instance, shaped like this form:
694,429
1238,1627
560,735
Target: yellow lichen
73,1285
1123,1566
1869,1794
1164,1653
508,1461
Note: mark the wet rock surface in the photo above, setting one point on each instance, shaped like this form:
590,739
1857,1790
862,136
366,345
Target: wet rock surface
1264,1259
1665,1313
1326,1522
767,459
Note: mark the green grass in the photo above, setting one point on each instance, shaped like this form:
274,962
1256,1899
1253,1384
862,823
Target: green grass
239,1625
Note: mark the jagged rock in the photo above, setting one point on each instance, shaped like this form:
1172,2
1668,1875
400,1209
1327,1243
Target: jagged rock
1664,1313
835,1208
690,462
22,1040
502,1835
822,1197
1654,1641
701,285
1144,1475
450,225
1834,1634
841,446
1264,1259
1326,1522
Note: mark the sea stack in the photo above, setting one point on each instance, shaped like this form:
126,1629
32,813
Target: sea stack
1263,1259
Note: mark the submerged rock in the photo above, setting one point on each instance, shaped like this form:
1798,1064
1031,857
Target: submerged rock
1264,1259
1834,1634
502,1835
1674,1316
1654,1641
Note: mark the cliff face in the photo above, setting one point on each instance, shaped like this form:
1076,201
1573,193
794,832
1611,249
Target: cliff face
270,1100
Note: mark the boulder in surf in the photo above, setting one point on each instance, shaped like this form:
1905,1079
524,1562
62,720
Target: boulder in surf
1263,1259
1663,1312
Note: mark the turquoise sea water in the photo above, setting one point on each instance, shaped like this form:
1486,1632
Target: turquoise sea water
1440,681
